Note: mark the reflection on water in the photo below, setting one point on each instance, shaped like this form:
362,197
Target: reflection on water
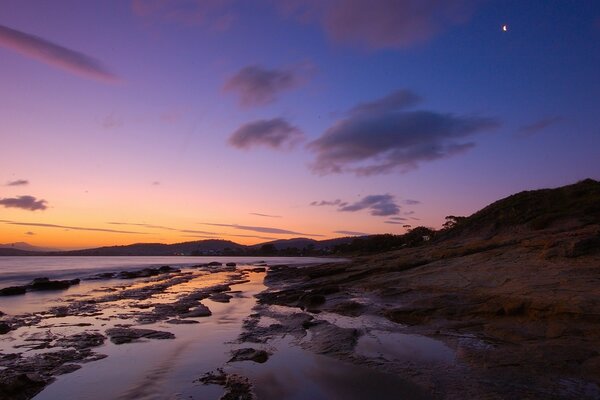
296,374
168,369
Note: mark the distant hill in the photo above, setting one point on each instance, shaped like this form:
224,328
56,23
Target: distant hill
290,247
202,247
24,246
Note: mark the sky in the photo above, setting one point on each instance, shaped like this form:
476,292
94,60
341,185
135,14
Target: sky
253,120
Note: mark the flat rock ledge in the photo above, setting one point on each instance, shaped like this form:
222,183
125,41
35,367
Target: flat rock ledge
128,335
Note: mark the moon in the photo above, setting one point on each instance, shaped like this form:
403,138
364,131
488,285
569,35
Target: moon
504,28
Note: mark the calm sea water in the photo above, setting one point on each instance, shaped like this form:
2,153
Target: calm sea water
21,270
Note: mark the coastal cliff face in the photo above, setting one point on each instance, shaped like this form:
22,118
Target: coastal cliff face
522,276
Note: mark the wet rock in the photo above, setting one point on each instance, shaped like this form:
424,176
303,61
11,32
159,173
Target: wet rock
200,311
330,339
20,386
141,273
176,321
214,264
47,284
13,290
236,387
127,335
220,297
249,354
83,340
66,369
231,264
4,328
258,269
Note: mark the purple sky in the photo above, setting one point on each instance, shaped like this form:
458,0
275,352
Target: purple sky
175,120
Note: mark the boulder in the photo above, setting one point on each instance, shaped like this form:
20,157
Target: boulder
13,290
249,354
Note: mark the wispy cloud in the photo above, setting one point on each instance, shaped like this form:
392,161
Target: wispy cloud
539,125
382,136
256,85
53,54
410,202
265,215
75,228
336,202
398,219
275,133
30,233
18,182
166,228
352,233
378,205
262,229
24,202
382,23
394,222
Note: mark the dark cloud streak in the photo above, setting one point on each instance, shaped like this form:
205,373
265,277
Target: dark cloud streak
18,182
262,229
257,86
24,202
75,228
381,136
275,133
53,54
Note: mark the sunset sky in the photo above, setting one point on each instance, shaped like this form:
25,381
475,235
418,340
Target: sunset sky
251,120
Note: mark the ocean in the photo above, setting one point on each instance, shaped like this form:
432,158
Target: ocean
22,270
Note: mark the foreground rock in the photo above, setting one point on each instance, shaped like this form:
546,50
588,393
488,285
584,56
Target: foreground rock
128,335
236,387
513,290
39,284
135,274
249,354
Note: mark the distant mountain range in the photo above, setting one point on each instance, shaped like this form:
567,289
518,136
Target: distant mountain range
25,246
292,247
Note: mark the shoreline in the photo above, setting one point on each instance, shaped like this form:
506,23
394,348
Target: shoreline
437,328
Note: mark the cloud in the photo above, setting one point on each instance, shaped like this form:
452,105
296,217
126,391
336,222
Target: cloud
381,137
399,99
18,182
254,236
378,205
265,215
155,183
539,125
24,202
394,222
53,54
151,226
410,202
336,202
262,229
75,228
398,219
379,24
257,86
352,233
275,133
409,213
30,233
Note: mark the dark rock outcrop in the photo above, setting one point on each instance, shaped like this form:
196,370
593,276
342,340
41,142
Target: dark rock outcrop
127,335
